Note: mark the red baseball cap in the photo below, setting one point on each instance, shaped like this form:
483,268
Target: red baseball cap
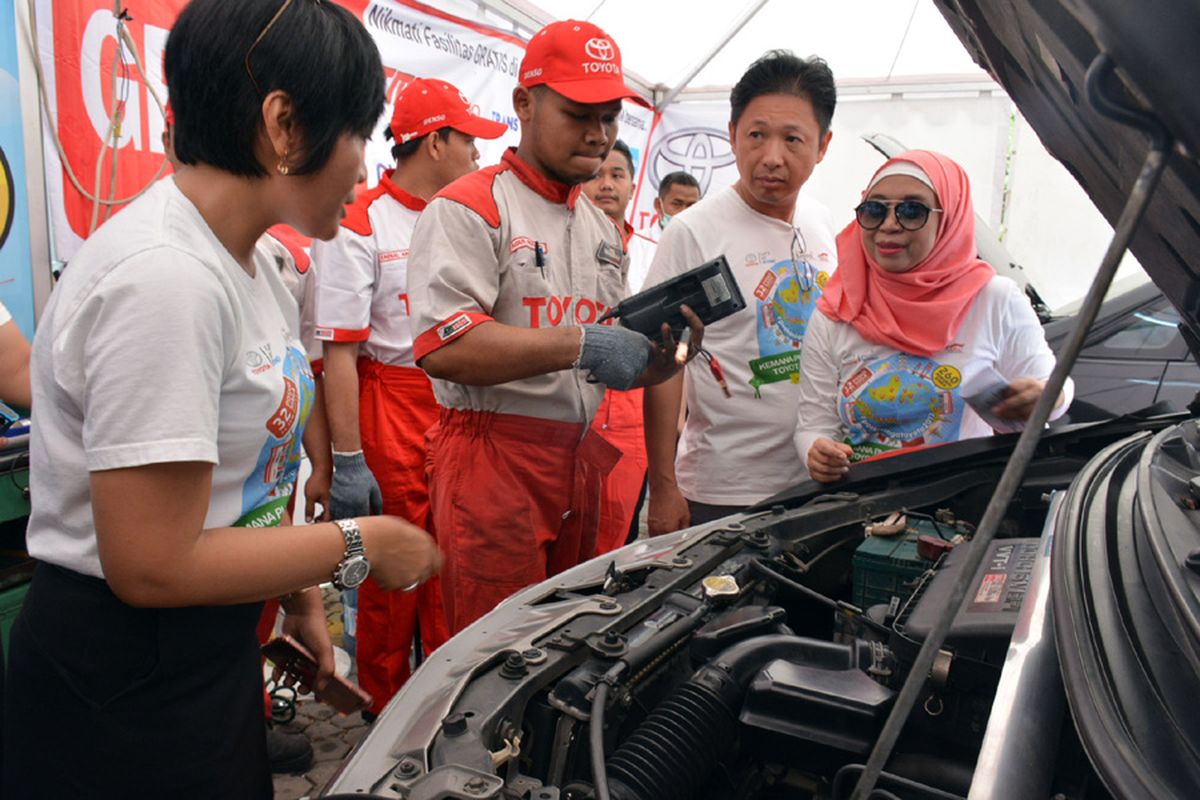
579,61
427,105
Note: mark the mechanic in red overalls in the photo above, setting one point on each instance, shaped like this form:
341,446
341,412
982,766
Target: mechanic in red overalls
619,419
511,268
379,404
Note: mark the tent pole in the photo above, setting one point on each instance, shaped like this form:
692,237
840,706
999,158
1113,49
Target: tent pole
747,15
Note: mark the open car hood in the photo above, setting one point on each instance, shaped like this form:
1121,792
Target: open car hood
1040,52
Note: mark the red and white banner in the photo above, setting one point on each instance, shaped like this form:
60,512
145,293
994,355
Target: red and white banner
78,45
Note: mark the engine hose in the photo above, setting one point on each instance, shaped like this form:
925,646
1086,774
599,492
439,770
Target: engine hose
673,751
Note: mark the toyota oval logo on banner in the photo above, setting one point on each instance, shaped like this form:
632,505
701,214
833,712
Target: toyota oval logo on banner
701,152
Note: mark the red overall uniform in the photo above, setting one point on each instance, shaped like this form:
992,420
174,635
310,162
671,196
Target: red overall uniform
515,470
362,295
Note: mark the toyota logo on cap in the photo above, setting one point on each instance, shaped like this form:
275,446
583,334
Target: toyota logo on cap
700,152
600,49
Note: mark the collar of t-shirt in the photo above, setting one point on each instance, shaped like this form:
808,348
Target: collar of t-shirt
552,190
402,197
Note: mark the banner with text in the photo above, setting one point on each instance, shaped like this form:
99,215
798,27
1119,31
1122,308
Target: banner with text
78,46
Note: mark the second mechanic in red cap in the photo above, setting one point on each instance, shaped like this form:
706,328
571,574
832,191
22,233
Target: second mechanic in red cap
511,269
379,404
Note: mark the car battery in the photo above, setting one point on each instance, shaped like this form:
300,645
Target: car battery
983,626
889,566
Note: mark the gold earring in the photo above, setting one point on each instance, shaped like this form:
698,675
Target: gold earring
283,168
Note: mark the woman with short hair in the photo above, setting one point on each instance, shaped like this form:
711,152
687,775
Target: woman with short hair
171,393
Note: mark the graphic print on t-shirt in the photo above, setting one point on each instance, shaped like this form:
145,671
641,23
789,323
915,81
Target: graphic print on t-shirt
266,492
900,400
786,297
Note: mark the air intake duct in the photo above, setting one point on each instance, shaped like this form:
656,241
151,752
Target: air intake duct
673,751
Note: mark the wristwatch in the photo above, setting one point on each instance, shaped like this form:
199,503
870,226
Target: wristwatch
353,569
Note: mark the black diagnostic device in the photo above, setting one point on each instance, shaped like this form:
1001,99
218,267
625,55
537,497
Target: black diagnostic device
710,290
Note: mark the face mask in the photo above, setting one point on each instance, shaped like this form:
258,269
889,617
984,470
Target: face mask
663,219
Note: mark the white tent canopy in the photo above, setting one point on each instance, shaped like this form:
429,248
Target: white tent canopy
900,71
663,43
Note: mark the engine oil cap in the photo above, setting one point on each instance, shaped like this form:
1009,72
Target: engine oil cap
720,586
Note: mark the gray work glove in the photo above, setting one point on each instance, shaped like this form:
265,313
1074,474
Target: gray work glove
354,492
613,355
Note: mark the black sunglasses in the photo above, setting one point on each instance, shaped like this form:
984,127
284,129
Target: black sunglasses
911,215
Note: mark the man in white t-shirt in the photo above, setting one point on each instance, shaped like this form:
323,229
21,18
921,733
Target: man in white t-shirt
379,403
738,450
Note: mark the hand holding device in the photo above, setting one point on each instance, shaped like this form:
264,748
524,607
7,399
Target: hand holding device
295,660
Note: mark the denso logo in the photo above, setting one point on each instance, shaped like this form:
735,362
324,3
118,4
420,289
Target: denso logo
433,119
600,49
554,310
702,152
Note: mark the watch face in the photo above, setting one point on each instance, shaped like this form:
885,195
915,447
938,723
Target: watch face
354,572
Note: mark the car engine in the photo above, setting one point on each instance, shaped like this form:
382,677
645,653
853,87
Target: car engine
757,657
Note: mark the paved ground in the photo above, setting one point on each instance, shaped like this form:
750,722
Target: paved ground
332,737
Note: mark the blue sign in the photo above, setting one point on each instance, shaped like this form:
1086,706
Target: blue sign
16,269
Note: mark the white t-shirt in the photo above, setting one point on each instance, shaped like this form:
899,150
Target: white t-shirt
299,277
5,316
155,347
738,450
362,276
641,254
877,399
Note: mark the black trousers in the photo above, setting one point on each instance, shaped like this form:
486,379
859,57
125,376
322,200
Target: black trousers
704,512
107,700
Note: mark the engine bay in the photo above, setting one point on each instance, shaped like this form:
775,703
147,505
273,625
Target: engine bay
758,660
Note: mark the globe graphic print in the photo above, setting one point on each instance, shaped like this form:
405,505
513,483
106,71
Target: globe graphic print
791,306
900,405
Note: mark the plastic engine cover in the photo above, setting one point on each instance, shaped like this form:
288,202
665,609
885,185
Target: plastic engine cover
842,709
984,625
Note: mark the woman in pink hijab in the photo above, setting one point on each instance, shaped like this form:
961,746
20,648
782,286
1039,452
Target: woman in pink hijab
918,341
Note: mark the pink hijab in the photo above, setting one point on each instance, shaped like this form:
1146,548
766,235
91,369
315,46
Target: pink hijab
921,310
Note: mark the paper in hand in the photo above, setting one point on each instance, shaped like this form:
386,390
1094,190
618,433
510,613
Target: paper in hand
983,392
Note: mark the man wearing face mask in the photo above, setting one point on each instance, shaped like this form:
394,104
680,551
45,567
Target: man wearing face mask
379,404
677,192
509,273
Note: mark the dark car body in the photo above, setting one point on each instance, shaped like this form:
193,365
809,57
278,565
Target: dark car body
738,659
1135,357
